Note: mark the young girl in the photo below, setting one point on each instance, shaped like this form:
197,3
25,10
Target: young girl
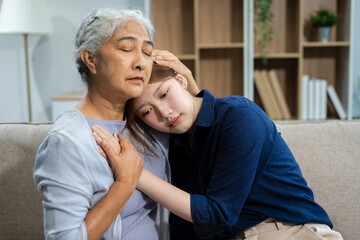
233,175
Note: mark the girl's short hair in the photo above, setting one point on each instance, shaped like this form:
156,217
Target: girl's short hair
133,122
98,27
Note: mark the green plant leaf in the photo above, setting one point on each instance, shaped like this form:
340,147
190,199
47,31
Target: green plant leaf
265,32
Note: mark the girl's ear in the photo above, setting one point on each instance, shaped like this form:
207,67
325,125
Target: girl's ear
182,80
89,60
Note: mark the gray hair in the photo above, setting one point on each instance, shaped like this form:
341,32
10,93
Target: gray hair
98,27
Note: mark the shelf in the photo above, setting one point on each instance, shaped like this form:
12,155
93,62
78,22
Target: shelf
186,56
221,71
285,22
219,21
328,44
69,97
208,37
278,55
220,45
339,32
329,64
174,26
287,72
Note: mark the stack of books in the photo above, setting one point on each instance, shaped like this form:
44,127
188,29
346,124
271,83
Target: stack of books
314,99
271,94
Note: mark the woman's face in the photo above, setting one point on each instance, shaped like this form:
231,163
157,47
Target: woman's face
167,107
123,63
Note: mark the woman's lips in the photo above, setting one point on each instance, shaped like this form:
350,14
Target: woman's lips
136,79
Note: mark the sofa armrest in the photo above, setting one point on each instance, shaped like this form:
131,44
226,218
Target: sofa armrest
21,208
328,153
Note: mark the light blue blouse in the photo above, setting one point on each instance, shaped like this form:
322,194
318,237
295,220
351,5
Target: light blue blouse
72,177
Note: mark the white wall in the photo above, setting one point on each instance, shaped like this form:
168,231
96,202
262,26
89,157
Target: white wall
356,59
52,69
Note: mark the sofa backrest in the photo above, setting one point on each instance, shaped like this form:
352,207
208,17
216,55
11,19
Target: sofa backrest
327,152
329,157
21,215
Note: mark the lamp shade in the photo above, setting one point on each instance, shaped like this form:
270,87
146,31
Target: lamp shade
25,17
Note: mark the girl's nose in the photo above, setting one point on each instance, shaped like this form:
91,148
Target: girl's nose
165,111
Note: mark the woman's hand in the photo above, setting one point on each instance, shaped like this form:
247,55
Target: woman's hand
124,160
168,59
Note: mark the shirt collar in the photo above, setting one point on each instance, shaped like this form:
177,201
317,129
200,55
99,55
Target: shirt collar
206,116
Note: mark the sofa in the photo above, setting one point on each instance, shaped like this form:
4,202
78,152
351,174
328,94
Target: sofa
328,153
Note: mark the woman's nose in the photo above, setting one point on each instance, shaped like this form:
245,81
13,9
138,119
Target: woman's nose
139,61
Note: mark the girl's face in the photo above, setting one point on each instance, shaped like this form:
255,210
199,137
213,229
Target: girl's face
167,107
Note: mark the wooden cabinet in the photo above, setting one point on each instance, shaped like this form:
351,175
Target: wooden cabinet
208,36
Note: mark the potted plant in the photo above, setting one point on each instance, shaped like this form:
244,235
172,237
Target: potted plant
264,30
324,19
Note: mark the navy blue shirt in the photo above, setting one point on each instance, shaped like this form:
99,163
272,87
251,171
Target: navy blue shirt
238,171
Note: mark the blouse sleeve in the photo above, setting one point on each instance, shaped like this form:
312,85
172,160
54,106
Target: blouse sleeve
61,177
238,151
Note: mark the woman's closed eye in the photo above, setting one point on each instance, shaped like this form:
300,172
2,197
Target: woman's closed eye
126,49
147,53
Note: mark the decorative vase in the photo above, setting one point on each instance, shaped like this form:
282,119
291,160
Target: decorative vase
324,34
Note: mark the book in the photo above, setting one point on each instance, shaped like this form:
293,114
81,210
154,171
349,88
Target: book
310,101
279,95
323,99
270,92
316,99
336,102
304,97
264,90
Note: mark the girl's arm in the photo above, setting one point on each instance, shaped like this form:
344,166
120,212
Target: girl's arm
168,59
174,199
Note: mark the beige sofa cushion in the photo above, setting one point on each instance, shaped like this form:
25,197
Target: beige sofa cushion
329,156
21,208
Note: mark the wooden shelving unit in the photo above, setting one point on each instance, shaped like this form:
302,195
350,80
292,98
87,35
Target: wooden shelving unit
296,52
207,35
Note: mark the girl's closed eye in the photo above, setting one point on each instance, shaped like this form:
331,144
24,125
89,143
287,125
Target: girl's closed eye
164,94
147,112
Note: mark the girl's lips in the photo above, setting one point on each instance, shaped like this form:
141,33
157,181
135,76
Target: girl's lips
175,122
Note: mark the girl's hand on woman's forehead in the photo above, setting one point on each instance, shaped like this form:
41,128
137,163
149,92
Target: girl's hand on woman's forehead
168,59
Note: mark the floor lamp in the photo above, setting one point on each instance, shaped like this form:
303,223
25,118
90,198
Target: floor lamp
25,17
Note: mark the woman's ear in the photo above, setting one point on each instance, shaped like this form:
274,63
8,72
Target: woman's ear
89,60
182,80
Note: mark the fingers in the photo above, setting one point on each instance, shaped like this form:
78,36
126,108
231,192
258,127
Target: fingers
124,142
102,152
102,133
116,137
162,54
165,58
168,59
99,140
106,141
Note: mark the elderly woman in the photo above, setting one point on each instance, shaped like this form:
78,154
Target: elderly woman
84,196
